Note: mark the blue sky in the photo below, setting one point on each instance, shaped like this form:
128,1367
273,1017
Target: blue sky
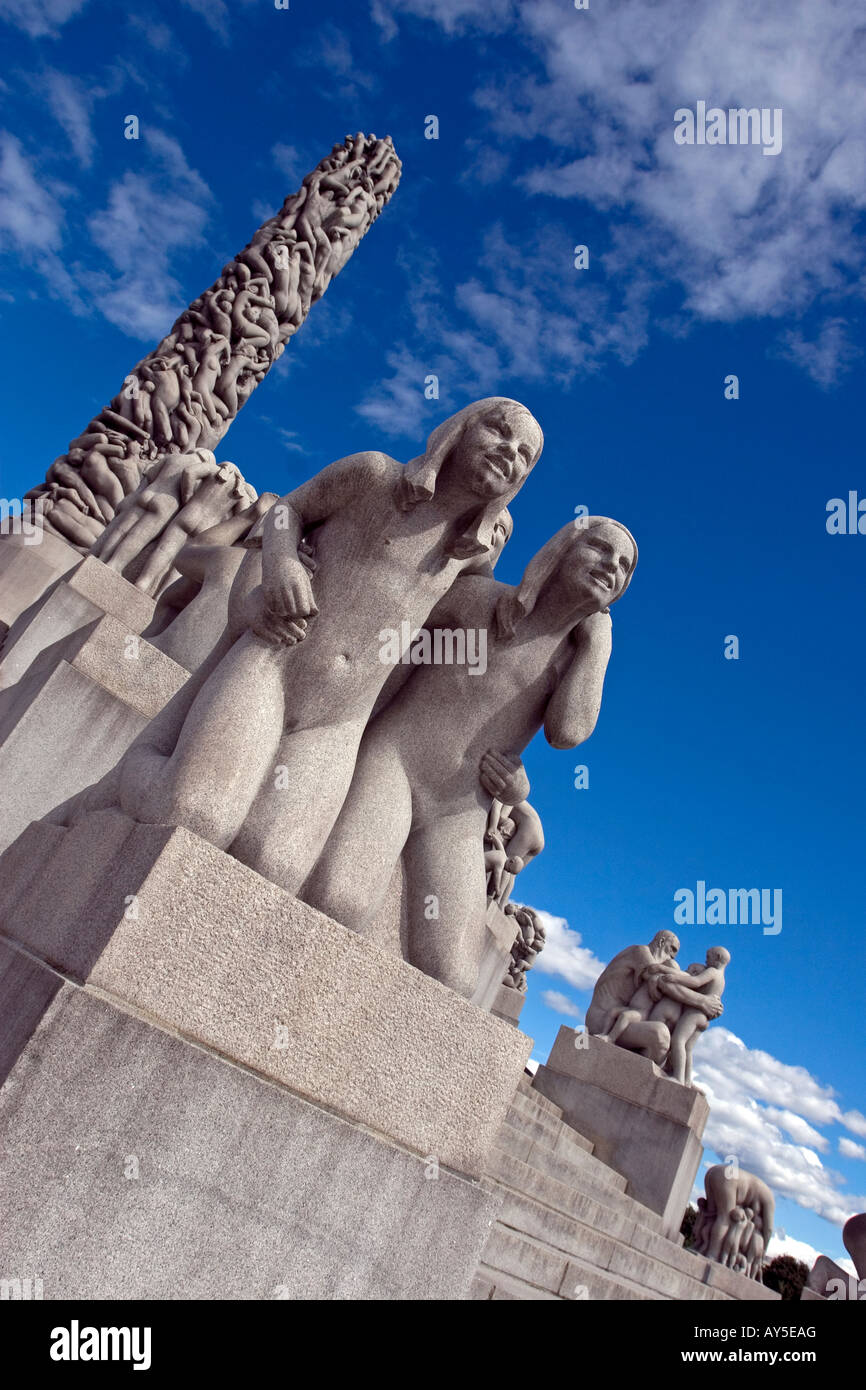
555,129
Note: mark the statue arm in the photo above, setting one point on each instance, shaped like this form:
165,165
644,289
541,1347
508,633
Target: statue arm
572,710
709,1004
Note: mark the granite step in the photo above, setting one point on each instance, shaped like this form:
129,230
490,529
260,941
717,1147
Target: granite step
613,1257
522,1257
614,1213
492,1284
526,1088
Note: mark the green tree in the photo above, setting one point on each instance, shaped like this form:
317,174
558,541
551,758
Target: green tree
786,1275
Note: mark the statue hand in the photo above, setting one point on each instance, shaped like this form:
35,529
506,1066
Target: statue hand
504,776
288,592
713,1006
279,632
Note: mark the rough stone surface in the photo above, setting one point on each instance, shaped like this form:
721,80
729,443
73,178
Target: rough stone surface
82,597
138,1166
207,947
641,1123
74,714
27,570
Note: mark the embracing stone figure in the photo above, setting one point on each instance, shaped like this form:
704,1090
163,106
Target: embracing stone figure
256,753
622,1009
418,790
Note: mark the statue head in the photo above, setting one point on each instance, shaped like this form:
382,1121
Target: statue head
717,956
488,450
592,562
665,945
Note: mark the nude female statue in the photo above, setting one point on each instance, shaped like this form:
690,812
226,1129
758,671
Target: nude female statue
416,789
257,755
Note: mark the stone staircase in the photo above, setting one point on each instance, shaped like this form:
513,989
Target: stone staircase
569,1230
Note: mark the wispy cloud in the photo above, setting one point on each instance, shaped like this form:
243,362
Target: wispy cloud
848,1149
32,220
737,1079
565,955
736,235
71,104
561,1004
40,18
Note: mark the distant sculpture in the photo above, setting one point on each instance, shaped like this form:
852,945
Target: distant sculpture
179,496
630,987
528,945
258,760
185,394
735,1219
417,792
830,1280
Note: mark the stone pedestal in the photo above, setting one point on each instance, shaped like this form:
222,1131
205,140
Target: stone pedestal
80,599
74,714
215,1091
644,1125
27,570
507,1004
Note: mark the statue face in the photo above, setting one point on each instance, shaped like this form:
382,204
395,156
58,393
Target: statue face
496,450
600,564
502,528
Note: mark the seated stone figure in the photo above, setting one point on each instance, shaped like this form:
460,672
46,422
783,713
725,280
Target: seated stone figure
629,988
257,751
417,792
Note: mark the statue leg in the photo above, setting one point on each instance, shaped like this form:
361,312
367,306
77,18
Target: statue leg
298,802
162,557
148,525
447,898
650,1039
110,540
225,748
351,877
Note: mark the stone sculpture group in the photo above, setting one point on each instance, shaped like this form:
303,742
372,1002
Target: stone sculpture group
643,1002
295,747
735,1219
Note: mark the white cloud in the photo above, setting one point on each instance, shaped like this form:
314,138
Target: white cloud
853,1120
148,216
737,234
32,220
40,18
783,1244
736,1079
561,1004
564,955
799,1129
71,104
849,1149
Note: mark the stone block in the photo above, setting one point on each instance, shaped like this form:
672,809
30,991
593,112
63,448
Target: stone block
204,946
138,1166
90,592
70,720
644,1125
27,571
